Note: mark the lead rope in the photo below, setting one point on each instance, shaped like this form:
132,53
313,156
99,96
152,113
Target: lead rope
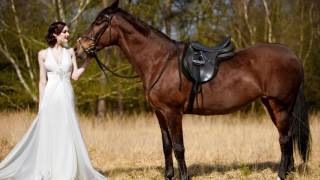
104,67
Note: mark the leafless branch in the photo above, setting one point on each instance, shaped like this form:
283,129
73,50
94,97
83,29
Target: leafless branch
246,18
22,44
311,36
8,29
5,52
60,10
268,21
301,39
82,7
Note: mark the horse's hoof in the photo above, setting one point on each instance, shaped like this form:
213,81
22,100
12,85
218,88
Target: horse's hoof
185,178
169,177
278,178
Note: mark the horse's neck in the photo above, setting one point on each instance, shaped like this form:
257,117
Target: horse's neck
146,55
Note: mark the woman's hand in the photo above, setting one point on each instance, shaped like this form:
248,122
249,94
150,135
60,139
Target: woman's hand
77,72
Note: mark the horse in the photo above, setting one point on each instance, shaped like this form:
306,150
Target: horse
270,72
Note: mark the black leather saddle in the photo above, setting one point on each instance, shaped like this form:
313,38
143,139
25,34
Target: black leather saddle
200,63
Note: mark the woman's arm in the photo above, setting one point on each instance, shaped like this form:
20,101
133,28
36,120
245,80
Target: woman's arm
77,72
43,74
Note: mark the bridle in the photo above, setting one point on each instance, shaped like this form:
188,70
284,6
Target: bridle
92,50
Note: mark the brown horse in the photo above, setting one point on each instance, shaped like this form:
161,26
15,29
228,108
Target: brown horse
270,72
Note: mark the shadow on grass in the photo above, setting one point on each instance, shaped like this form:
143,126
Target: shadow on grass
132,170
195,170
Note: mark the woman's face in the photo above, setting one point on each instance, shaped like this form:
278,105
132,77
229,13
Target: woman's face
63,37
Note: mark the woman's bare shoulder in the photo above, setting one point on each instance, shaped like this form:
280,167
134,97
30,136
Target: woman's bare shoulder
70,50
42,53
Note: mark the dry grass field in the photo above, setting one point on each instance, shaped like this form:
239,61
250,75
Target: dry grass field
217,147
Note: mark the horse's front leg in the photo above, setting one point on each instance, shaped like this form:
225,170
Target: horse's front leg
167,146
174,122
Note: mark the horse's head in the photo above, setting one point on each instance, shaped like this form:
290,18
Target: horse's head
99,34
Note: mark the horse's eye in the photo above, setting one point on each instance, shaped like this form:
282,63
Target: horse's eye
99,20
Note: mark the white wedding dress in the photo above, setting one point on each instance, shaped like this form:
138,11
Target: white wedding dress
52,148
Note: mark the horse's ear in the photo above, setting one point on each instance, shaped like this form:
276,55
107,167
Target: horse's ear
114,4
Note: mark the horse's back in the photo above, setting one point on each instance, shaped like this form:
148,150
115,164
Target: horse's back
274,65
265,63
262,70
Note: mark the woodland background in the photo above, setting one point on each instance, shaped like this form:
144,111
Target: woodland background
24,23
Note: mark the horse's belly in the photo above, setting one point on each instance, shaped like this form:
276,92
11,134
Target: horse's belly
217,109
226,98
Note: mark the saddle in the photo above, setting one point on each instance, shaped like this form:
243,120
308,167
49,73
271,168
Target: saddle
200,63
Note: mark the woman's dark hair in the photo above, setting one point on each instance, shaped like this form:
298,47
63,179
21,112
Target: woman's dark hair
54,28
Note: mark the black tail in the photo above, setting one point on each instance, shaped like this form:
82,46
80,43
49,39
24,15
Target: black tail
301,136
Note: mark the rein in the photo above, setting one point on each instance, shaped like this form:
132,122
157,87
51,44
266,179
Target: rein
103,67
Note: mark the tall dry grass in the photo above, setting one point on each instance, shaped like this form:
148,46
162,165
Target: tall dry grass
217,147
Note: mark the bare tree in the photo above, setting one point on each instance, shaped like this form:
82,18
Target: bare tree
28,85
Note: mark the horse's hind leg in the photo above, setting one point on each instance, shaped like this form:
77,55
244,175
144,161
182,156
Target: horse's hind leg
167,146
280,115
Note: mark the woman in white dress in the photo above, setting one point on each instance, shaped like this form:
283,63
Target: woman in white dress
53,148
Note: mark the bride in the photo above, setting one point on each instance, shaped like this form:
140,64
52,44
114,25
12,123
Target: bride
53,148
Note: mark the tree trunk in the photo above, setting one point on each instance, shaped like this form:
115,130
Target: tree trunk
166,11
268,23
120,100
60,10
101,106
120,107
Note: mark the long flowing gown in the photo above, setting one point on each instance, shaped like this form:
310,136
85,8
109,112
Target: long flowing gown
52,148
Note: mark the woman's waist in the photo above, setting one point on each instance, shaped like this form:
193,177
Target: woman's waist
61,75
